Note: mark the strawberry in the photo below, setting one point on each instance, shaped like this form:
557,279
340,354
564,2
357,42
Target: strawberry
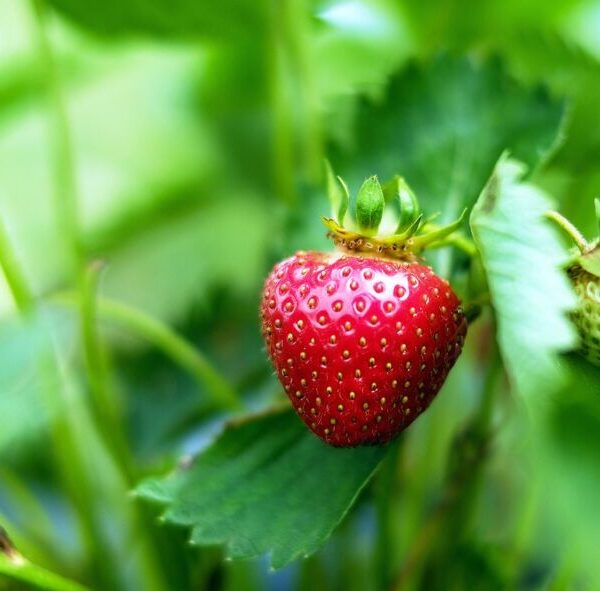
584,273
587,315
361,344
361,340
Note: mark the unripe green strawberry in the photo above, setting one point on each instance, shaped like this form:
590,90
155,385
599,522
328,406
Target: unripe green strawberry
587,315
584,273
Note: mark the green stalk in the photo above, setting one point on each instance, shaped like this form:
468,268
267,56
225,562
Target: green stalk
168,341
71,433
62,163
525,525
384,498
80,447
297,33
459,241
38,527
292,89
15,279
105,401
569,229
20,569
451,519
283,142
64,447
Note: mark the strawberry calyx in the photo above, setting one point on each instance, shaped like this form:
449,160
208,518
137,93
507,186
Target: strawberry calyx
585,254
360,234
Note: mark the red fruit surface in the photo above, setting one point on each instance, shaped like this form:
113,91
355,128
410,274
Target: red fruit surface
361,345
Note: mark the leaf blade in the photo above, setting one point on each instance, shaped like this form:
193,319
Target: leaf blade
522,256
444,127
251,489
183,18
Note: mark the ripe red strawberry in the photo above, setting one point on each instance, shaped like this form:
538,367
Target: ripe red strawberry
360,344
362,340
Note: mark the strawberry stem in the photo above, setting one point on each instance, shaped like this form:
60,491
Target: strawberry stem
582,244
457,240
439,233
472,312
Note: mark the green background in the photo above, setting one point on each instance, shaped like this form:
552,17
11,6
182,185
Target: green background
156,159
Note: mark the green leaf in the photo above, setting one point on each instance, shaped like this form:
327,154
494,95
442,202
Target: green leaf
163,18
522,257
443,126
34,577
356,53
369,205
266,485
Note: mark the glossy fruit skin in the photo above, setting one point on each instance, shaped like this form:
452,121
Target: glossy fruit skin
587,315
360,344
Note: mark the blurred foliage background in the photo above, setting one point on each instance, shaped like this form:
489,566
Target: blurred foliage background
156,159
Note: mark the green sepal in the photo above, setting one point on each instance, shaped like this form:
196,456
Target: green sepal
338,194
403,236
597,208
390,191
333,226
369,206
398,191
410,209
424,240
431,218
591,261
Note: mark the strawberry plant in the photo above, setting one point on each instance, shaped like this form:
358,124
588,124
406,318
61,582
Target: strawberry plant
226,366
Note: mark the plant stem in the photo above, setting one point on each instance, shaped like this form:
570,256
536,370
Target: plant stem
24,571
577,237
38,526
297,34
14,277
525,525
65,195
457,501
80,439
283,145
165,339
105,401
384,492
459,241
